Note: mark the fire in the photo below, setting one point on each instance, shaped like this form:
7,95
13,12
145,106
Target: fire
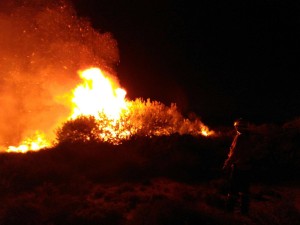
34,143
100,106
38,93
102,98
96,95
206,132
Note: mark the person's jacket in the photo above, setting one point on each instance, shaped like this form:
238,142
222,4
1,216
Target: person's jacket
241,152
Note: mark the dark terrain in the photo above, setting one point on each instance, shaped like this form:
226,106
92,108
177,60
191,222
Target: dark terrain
160,180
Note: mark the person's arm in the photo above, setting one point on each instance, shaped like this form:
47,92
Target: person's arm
231,154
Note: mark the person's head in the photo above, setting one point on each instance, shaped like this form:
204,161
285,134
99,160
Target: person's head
241,125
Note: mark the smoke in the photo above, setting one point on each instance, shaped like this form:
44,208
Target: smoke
42,46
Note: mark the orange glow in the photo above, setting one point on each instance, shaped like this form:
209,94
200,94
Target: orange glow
35,143
206,132
116,118
97,95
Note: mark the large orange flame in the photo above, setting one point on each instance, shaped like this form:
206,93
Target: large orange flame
117,118
97,94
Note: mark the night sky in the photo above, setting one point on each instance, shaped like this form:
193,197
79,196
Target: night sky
218,59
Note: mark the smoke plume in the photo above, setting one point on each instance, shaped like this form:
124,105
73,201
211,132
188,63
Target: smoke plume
42,46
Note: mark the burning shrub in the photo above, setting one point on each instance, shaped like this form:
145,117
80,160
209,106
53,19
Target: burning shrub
38,65
141,118
156,119
153,118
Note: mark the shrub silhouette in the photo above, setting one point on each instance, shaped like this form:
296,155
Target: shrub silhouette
82,129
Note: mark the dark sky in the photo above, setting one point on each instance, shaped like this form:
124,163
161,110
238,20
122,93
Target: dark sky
218,59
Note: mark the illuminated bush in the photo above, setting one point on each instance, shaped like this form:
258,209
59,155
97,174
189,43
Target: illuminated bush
141,118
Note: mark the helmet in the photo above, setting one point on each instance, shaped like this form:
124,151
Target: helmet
241,125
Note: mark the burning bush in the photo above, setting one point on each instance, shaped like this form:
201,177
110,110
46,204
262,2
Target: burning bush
141,118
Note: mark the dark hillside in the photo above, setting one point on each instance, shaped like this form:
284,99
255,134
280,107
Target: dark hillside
160,180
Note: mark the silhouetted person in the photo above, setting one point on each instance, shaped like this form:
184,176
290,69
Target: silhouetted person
239,166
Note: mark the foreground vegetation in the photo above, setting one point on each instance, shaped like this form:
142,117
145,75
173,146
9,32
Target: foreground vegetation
174,179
